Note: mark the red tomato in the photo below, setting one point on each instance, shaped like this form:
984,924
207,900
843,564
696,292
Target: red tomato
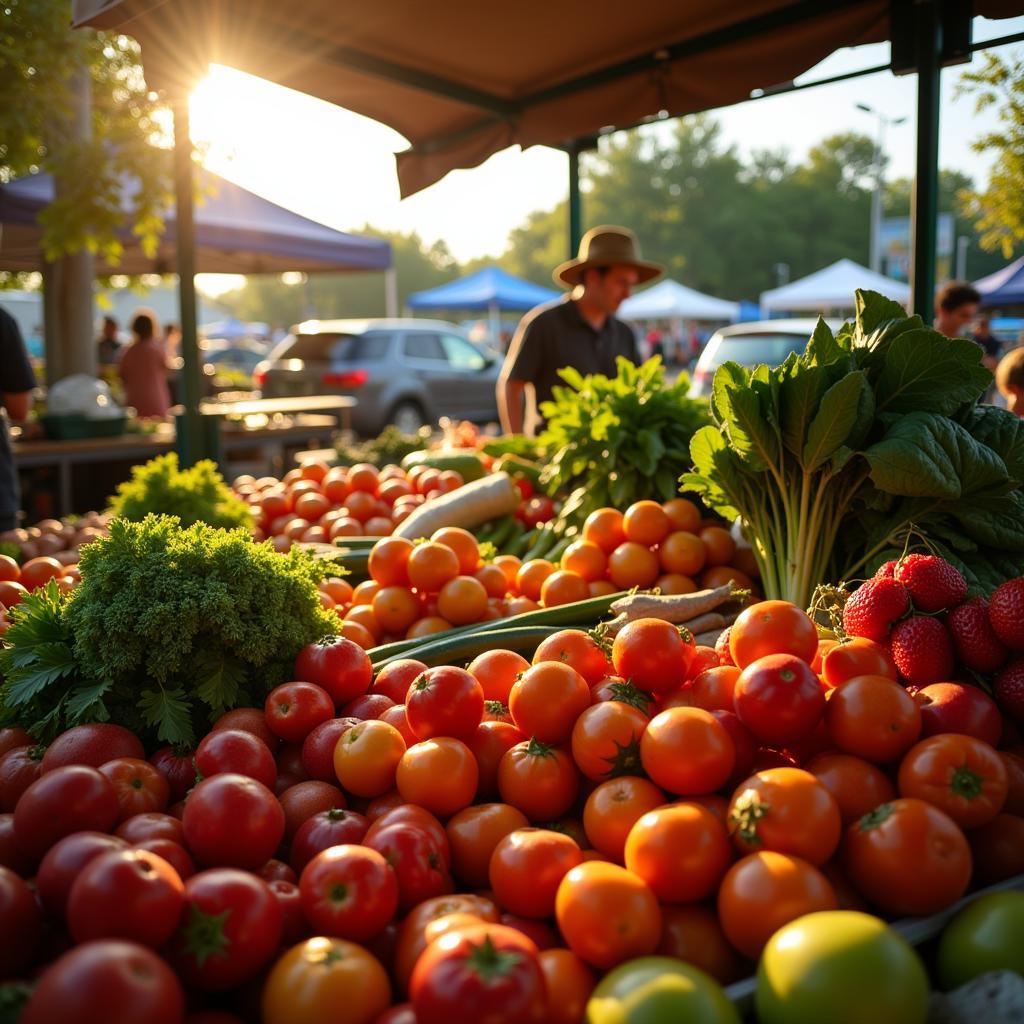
234,750
277,871
779,699
606,740
577,649
772,627
301,801
252,720
440,775
857,786
872,717
488,746
652,655
11,855
444,701
19,768
395,678
20,925
318,748
527,867
908,857
488,972
418,864
234,821
547,699
74,798
231,927
140,787
369,705
335,827
92,745
178,768
339,666
857,657
294,710
744,745
126,894
349,891
13,737
109,980
65,860
539,779
294,926
174,853
474,833
687,751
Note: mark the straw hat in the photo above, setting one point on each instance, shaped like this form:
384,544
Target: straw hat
606,246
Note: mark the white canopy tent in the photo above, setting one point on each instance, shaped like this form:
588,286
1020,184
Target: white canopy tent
831,289
670,300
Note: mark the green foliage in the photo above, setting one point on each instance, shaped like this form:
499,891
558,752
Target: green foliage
999,209
389,447
194,495
833,458
43,66
619,438
169,628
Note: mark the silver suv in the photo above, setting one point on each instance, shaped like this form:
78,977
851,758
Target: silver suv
405,372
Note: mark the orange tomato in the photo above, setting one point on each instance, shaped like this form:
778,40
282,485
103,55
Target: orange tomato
431,566
872,717
786,810
772,627
312,505
37,571
718,545
614,808
546,700
9,570
682,852
682,514
388,560
538,778
361,505
462,600
509,565
569,983
363,593
856,657
496,671
364,615
687,751
563,587
367,756
338,589
473,834
766,890
345,526
364,477
856,785
464,544
493,580
602,588
335,485
606,740
632,565
606,914
722,575
357,633
673,583
531,576
395,608
603,527
682,553
12,593
526,868
646,523
439,775
427,626
493,738
693,933
577,649
586,559
519,605
712,690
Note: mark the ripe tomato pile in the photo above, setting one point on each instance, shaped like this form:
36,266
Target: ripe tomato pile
485,843
18,581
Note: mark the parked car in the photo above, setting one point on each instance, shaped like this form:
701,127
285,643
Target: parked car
408,372
750,344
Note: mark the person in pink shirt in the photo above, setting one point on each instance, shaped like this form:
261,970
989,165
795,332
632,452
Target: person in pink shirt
143,370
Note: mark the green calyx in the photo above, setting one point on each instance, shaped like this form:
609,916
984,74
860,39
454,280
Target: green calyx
491,963
875,818
747,810
203,935
966,783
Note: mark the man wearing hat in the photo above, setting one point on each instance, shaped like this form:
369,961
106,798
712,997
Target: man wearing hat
580,330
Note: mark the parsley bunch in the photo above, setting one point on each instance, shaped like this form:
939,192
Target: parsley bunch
169,628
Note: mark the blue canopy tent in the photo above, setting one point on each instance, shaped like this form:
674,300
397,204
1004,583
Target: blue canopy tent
1005,287
491,289
237,232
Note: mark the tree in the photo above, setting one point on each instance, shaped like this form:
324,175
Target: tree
999,210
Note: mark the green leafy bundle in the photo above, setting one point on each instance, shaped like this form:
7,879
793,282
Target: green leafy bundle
169,628
619,438
831,459
389,447
195,495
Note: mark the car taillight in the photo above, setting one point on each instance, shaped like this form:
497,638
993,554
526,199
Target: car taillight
345,379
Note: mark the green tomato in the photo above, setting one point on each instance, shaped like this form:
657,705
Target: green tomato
659,990
987,935
843,967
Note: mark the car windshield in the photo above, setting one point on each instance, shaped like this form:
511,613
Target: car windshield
334,348
752,350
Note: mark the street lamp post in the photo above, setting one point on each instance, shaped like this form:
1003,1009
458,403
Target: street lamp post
876,195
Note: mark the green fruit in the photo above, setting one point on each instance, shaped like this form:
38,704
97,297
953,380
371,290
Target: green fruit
659,990
843,967
987,935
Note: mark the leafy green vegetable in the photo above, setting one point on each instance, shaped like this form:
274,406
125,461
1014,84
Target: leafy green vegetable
195,495
831,459
621,438
169,628
388,448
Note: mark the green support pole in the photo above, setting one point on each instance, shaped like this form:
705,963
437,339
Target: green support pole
194,443
925,211
575,206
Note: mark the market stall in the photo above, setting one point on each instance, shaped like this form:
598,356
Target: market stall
829,290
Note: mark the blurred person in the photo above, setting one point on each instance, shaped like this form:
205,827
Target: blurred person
956,305
108,345
143,369
1010,380
983,337
17,381
579,330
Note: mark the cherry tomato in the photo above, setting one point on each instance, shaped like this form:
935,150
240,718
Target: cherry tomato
335,827
339,666
527,867
779,699
234,750
417,817
547,699
539,779
349,891
444,701
174,853
652,655
294,925
772,627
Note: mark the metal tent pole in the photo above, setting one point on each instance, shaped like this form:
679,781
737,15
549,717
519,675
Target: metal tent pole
575,205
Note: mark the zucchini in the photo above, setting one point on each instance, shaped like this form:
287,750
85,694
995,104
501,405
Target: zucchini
452,650
466,463
467,506
502,531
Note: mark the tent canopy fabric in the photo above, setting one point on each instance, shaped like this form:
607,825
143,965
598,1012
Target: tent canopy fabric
1005,287
671,300
489,288
237,232
831,287
462,82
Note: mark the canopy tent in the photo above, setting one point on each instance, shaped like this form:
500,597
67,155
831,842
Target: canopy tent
831,288
670,300
236,231
1005,287
491,288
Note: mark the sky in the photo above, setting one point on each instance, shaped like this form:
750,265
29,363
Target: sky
338,167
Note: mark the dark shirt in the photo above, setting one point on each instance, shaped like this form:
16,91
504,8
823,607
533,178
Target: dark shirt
556,335
988,343
16,376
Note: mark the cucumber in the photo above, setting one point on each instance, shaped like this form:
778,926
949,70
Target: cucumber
509,544
467,464
503,531
452,650
524,542
519,467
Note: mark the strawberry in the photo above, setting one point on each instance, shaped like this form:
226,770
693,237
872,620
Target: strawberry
977,646
722,648
1006,613
874,606
1009,689
887,569
922,649
933,583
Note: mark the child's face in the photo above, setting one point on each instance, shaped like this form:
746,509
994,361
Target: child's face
1015,400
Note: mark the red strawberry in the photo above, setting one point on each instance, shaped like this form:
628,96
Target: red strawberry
923,650
977,646
722,648
874,606
887,569
1009,689
1006,613
933,583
